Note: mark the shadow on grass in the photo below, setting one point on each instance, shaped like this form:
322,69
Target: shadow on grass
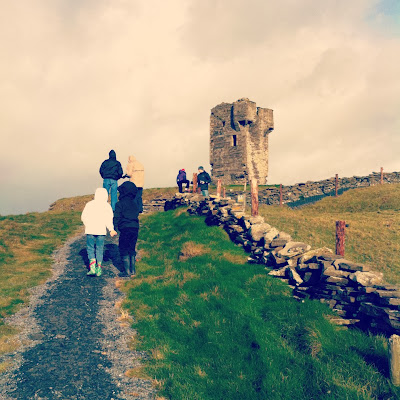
378,361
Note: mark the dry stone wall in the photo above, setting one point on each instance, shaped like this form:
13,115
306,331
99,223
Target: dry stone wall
357,294
308,189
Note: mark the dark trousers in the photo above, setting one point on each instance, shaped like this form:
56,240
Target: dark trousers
180,184
127,241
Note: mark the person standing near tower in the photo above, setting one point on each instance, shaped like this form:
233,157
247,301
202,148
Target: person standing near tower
204,179
111,171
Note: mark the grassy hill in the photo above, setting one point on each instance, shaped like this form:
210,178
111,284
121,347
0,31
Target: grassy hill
373,232
218,328
214,326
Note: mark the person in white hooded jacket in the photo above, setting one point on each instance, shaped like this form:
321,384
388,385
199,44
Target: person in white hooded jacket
97,216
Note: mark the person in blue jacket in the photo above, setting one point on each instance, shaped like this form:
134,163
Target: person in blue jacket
111,171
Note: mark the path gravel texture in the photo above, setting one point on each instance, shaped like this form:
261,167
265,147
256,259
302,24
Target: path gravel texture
73,346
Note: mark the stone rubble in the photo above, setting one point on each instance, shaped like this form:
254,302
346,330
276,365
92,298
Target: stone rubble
358,295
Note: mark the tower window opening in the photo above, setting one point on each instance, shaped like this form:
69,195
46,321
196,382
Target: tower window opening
234,140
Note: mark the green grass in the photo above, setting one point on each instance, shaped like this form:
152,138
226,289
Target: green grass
27,242
218,328
373,234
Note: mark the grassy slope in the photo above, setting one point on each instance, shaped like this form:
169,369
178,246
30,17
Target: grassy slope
26,244
218,328
373,234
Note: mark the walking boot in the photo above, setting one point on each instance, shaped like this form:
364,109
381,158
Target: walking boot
125,265
98,269
92,267
132,263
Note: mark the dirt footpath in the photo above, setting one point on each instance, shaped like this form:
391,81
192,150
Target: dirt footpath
73,346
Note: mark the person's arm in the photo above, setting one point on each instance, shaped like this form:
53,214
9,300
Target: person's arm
83,215
109,221
117,215
120,171
101,170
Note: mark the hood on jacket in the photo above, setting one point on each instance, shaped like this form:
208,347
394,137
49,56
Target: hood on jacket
127,189
112,155
101,194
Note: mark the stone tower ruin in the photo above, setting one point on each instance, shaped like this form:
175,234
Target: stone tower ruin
239,141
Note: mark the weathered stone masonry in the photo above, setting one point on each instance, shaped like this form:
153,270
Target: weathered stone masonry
239,141
357,294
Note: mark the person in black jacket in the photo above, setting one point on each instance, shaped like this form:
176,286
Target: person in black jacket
203,179
126,221
111,171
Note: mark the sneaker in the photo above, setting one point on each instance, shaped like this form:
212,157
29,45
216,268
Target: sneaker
98,271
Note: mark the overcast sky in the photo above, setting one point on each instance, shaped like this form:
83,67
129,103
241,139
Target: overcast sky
79,78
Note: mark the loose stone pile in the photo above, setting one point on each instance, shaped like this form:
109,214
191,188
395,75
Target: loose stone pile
357,294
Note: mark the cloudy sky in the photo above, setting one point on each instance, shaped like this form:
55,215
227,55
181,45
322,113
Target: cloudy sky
78,78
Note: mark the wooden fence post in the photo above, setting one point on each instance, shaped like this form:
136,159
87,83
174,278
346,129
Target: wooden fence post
254,197
340,236
280,195
224,192
381,175
394,359
194,183
218,188
336,184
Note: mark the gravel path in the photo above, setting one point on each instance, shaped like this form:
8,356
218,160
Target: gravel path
73,346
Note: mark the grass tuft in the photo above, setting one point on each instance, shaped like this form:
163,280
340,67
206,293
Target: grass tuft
192,249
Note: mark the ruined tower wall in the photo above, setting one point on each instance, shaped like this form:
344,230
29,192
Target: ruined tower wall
239,141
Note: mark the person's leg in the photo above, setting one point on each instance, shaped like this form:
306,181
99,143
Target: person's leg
100,248
134,233
132,262
187,184
90,240
126,266
113,192
123,251
99,252
180,186
106,185
204,192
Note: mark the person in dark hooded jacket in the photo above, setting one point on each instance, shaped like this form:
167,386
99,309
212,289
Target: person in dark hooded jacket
181,180
126,221
111,171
